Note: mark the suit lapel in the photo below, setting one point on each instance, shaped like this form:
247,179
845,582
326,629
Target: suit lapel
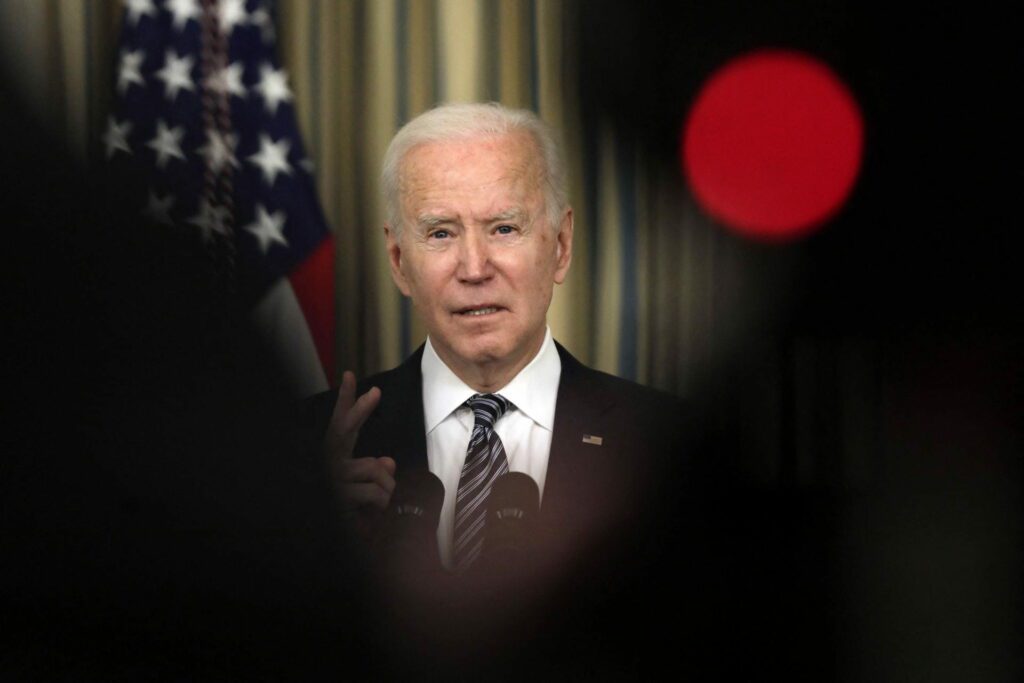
396,427
576,467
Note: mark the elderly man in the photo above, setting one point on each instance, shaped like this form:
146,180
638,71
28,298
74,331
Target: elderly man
478,233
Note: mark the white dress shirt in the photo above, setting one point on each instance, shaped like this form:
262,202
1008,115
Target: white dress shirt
525,432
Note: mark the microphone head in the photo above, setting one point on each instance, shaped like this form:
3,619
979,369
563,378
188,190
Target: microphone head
418,494
407,539
512,510
514,496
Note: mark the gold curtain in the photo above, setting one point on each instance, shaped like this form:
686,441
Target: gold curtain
657,292
363,68
635,303
359,70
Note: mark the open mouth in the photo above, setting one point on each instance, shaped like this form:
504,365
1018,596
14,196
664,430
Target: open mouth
480,311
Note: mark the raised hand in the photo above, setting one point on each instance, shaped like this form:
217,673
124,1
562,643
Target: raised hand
363,485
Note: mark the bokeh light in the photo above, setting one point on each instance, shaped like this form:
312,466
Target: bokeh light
773,144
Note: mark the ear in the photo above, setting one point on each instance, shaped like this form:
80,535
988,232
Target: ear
563,247
394,249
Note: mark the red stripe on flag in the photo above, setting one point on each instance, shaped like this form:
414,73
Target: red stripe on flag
313,284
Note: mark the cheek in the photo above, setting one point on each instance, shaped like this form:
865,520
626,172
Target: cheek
427,277
538,279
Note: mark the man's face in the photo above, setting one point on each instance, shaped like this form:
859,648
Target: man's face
476,253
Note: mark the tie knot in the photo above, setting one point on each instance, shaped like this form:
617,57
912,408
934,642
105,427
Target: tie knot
487,408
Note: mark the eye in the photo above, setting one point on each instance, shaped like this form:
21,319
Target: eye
505,229
439,234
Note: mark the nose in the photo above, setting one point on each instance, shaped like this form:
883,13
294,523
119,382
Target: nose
474,259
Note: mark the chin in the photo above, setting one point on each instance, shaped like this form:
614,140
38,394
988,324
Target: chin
483,349
481,354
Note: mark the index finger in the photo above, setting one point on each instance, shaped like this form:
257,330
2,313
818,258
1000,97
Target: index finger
348,416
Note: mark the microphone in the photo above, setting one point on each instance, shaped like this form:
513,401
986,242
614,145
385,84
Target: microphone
512,510
407,540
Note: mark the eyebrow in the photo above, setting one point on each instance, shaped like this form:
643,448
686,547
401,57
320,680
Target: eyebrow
508,215
433,220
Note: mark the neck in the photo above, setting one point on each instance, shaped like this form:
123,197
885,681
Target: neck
490,376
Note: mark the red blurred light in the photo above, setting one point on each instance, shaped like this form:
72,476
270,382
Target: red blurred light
773,144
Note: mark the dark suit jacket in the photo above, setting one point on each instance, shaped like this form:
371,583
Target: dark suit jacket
589,487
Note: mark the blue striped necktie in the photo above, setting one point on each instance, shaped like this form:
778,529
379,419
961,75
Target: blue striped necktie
485,462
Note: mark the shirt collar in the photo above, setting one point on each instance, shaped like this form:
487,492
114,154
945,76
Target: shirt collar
534,391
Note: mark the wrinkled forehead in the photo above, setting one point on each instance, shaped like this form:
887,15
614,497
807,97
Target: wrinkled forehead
486,157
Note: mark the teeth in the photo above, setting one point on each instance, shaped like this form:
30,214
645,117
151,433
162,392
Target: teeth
481,311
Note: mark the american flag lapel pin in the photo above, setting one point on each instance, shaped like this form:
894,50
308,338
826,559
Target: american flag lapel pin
593,440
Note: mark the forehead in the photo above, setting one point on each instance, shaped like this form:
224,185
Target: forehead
485,168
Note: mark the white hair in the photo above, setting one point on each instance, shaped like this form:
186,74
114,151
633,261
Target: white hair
462,121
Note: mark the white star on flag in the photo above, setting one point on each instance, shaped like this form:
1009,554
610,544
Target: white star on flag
175,74
116,137
261,18
158,209
128,70
268,228
139,8
273,86
183,10
213,151
230,13
210,219
219,150
228,79
167,143
272,158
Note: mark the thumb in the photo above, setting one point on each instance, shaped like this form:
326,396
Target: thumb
389,464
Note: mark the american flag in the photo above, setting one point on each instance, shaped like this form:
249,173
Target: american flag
204,124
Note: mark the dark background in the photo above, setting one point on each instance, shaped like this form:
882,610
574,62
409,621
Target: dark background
157,522
888,546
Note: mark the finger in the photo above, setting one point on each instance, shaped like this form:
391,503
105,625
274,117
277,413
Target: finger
355,496
342,443
348,417
389,464
366,470
346,395
386,476
361,410
342,406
